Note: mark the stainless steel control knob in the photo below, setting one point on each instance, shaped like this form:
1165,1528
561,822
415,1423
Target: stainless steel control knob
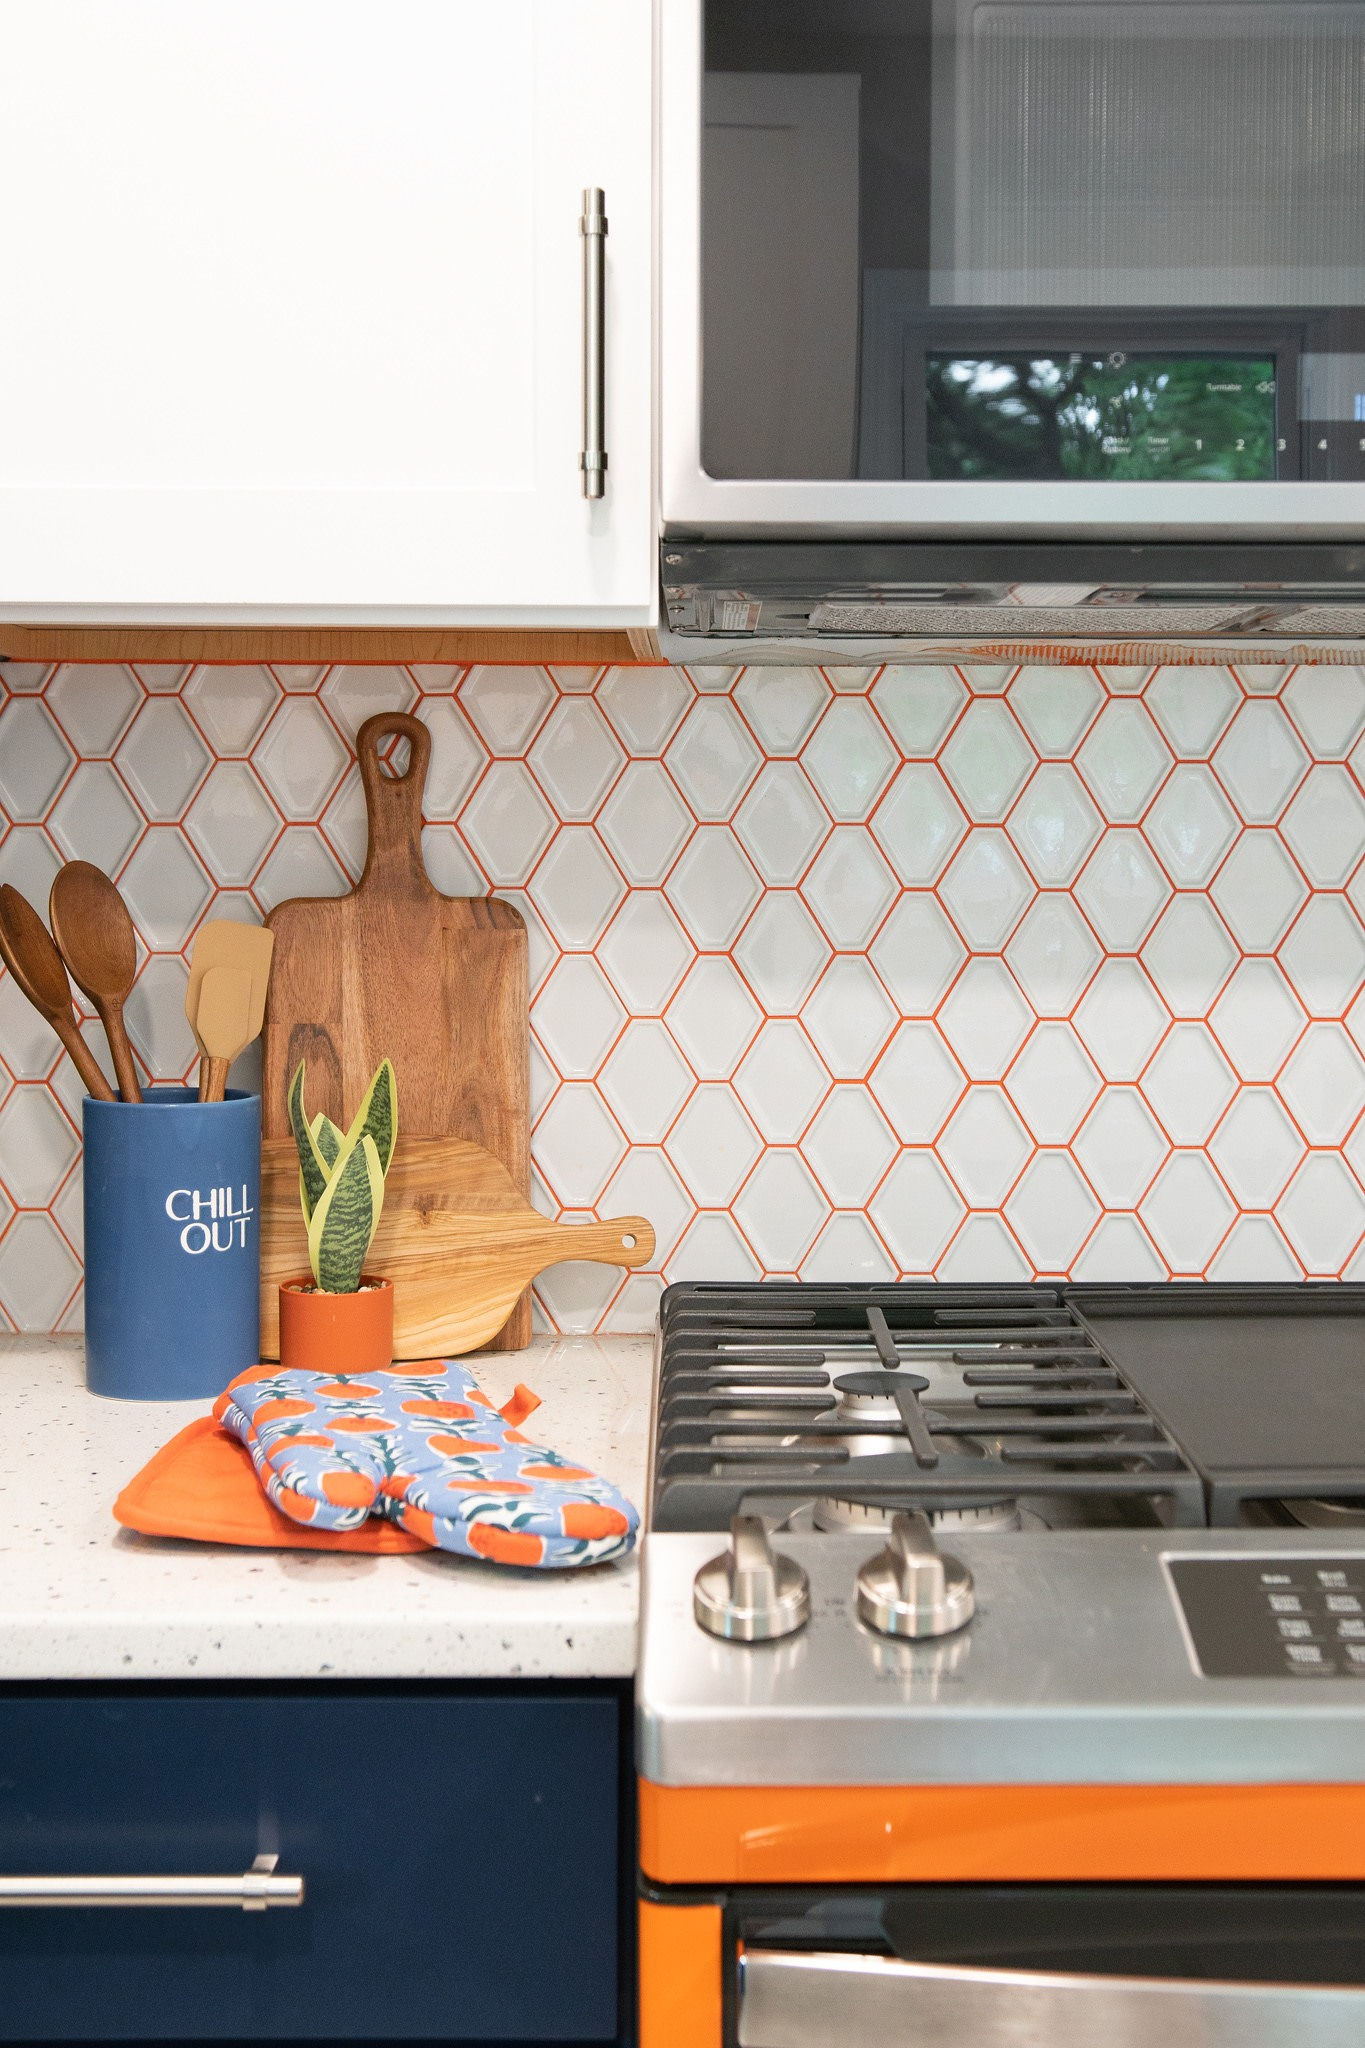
910,1589
750,1594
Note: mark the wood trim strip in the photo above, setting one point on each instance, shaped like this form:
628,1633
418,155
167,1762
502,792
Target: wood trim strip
570,647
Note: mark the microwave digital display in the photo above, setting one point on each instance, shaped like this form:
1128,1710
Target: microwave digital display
1117,417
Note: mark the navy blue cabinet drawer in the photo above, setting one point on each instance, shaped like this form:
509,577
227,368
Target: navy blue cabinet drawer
458,1847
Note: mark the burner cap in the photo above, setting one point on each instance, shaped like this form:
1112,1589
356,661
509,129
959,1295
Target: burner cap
884,1382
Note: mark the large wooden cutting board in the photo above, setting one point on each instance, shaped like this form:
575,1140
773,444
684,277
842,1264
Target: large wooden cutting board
438,984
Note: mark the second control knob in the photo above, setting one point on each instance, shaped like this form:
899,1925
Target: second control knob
750,1593
911,1589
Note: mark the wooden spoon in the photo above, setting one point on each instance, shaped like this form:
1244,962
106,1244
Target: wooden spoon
222,1025
90,923
33,960
242,949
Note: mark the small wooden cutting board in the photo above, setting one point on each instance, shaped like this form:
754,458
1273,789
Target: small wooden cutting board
438,984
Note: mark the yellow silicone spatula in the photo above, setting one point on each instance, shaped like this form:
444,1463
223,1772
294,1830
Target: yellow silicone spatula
222,1026
243,949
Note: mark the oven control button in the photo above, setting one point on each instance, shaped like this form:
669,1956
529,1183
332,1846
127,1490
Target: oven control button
751,1594
911,1588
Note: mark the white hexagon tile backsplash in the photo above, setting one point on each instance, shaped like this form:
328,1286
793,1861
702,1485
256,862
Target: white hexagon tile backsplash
975,973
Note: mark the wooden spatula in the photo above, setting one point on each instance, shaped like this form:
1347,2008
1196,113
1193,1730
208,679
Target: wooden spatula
27,948
456,1239
222,1026
243,949
91,925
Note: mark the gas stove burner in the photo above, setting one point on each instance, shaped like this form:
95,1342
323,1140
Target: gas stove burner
870,1397
1326,1514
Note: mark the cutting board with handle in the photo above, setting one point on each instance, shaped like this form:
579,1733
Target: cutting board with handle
455,1237
437,984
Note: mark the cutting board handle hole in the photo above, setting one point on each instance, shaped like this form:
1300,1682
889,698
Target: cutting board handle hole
628,1240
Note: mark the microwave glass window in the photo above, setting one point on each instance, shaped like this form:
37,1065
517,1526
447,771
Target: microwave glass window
1074,239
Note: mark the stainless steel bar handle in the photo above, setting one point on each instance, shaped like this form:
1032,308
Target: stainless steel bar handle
253,1891
592,227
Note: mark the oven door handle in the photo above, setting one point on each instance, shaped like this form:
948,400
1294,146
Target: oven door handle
803,2000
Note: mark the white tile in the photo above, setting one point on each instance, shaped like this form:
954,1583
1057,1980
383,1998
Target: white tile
448,861
988,679
646,1081
354,693
849,679
1120,1147
155,1016
544,1080
541,949
1187,1212
1053,954
1124,760
299,678
1191,825
711,680
1328,707
1261,678
713,1145
919,705
68,1211
645,1185
849,1018
780,1210
1055,706
230,703
458,757
1121,1250
232,823
28,861
781,952
165,888
302,864
93,703
1193,707
25,678
846,1251
986,889
38,1273
346,826
1189,955
1188,1083
576,757
919,823
437,678
645,823
576,679
984,1147
577,886
1052,1212
1258,761
645,705
713,888
1254,1250
37,1146
917,953
34,758
849,1146
577,1016
985,1019
782,1081
1323,1084
162,758
849,758
1121,1019
781,823
1325,825
301,758
781,705
849,887
1324,956
1256,1020
576,1294
506,705
916,1211
714,1018
1256,1148
1259,890
1124,681
646,952
1122,890
983,1250
987,760
713,759
28,1044
712,1249
507,822
1052,1083
577,1145
94,818
1322,1213
917,1081
1055,824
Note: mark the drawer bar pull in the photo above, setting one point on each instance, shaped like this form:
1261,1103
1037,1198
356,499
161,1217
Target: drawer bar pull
253,1891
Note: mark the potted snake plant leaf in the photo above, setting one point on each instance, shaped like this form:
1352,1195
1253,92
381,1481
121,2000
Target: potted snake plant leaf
339,1318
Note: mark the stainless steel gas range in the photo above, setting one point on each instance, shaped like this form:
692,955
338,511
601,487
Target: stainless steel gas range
1003,1671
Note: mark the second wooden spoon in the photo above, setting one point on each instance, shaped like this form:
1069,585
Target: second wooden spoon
28,952
90,923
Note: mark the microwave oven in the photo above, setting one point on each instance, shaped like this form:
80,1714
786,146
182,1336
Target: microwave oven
992,323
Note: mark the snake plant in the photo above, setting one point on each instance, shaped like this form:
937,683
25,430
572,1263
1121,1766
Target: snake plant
341,1178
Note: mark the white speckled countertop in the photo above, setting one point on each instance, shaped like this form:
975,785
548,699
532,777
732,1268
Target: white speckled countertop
82,1598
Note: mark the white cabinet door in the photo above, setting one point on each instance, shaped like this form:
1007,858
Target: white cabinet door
293,310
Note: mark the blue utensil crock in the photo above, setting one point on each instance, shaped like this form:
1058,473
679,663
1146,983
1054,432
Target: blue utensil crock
172,1243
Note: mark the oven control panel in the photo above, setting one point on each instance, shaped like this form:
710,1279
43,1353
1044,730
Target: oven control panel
1273,1617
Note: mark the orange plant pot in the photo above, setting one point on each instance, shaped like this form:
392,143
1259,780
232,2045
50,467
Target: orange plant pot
336,1333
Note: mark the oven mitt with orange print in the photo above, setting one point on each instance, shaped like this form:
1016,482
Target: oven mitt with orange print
424,1446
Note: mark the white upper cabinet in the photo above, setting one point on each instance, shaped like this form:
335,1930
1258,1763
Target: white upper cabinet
294,321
